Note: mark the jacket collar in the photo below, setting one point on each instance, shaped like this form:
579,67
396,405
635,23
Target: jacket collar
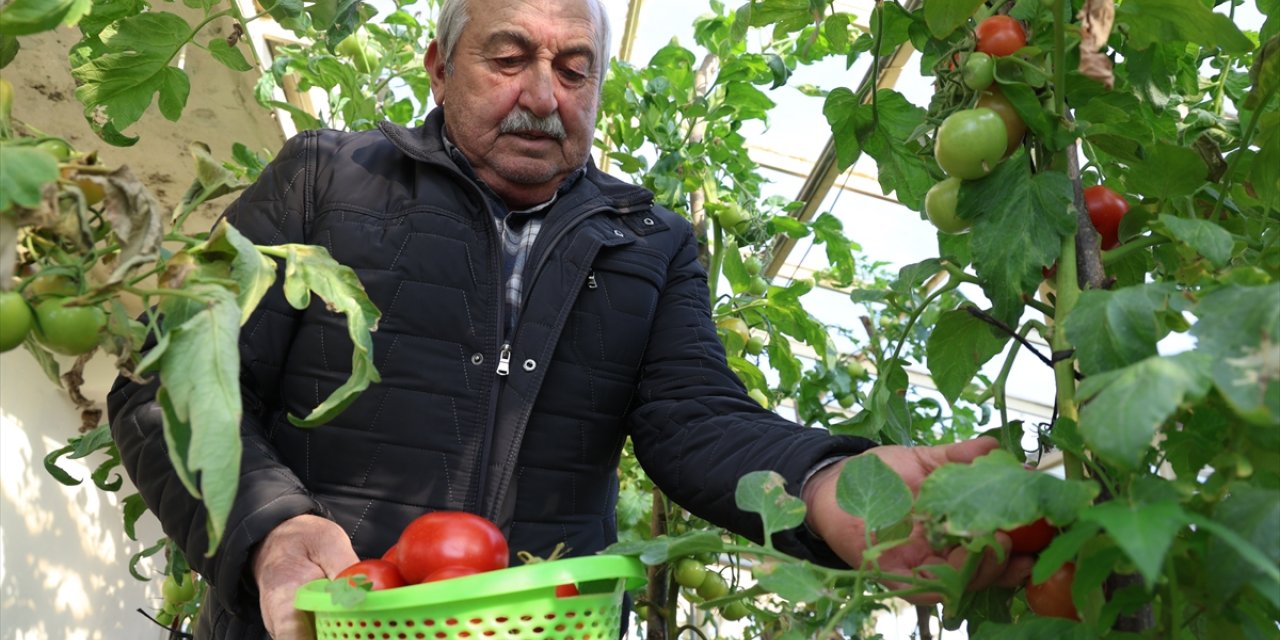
425,143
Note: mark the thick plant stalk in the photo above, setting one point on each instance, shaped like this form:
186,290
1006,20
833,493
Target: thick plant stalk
657,592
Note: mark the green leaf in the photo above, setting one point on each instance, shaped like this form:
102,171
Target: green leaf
662,549
1064,548
867,488
252,271
958,346
1166,171
25,17
1265,73
792,581
1114,329
24,171
765,493
1143,531
1239,331
133,507
1264,174
349,593
311,269
133,65
52,468
944,17
1019,223
1036,628
1151,22
994,492
1208,239
200,393
228,55
1249,549
883,130
828,230
1125,407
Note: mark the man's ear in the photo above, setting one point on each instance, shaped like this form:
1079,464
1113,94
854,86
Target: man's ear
435,65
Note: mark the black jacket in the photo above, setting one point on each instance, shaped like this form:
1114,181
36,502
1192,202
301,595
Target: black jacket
615,339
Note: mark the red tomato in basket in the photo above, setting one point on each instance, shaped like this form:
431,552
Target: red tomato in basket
444,539
449,572
390,555
566,590
381,573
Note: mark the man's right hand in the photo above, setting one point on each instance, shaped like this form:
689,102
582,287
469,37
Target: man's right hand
299,550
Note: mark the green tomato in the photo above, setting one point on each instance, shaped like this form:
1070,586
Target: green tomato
846,401
179,594
970,143
689,573
356,46
855,369
68,330
734,218
712,587
979,71
15,320
735,610
758,287
755,346
56,147
753,265
940,206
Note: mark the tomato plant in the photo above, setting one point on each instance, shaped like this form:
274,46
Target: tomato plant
15,320
1000,36
970,143
379,573
1052,598
451,540
66,329
940,206
1106,209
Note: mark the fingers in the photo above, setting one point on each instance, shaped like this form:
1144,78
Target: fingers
297,551
960,452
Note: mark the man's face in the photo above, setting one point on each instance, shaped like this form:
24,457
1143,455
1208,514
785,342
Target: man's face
521,99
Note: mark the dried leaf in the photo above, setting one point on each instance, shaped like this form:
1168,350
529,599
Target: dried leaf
1096,19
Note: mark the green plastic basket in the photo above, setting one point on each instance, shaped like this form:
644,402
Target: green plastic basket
511,604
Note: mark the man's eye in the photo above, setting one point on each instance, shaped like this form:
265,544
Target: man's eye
573,76
509,61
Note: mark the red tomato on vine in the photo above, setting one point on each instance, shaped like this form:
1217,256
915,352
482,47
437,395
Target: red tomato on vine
1052,598
1106,208
1000,36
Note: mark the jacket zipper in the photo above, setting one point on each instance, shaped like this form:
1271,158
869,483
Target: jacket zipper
504,359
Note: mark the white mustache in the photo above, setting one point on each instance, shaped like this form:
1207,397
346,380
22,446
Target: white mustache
521,119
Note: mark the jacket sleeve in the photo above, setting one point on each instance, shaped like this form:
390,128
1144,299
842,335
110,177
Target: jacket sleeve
272,211
695,429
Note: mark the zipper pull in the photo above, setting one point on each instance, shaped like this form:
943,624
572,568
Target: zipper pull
591,279
504,359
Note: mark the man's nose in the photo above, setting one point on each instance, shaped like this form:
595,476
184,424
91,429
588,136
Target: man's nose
538,94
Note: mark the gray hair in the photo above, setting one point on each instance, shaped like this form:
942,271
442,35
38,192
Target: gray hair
454,17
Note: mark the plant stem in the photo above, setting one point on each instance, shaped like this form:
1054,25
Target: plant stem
1121,252
915,315
1245,138
998,387
717,258
1064,369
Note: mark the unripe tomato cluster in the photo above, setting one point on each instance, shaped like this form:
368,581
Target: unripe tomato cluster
704,584
176,596
59,322
433,547
971,142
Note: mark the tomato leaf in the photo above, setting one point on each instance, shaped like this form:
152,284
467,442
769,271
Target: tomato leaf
52,468
792,581
311,269
1237,332
1143,531
25,17
867,488
1153,22
663,548
1064,548
133,66
884,133
132,507
24,171
828,230
137,220
1114,329
1245,546
1126,406
995,492
1264,174
1166,171
1208,239
1018,225
765,493
944,17
228,55
200,395
958,346
1037,628
253,272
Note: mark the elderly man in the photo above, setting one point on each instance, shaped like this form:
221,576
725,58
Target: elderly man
536,314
